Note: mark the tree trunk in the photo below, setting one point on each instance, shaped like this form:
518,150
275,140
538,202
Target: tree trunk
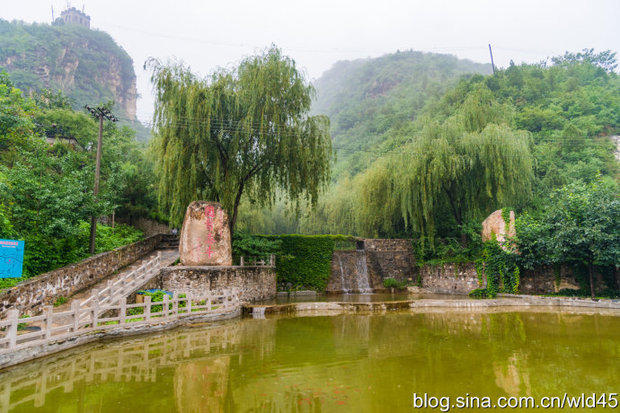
233,219
591,273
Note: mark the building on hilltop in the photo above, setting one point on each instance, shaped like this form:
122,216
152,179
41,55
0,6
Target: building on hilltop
75,16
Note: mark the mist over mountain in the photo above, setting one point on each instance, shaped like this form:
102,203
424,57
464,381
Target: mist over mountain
369,100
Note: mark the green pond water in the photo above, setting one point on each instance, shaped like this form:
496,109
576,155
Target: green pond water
340,363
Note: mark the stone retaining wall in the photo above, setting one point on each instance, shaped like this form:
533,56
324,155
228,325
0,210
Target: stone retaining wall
391,258
455,278
507,303
254,282
31,295
543,280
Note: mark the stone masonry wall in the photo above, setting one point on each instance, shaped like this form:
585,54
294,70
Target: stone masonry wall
462,278
389,258
543,280
29,296
254,282
455,278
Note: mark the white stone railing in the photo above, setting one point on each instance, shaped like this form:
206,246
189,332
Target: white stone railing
116,291
81,320
253,261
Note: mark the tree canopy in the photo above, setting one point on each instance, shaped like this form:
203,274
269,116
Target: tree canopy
580,226
243,131
46,190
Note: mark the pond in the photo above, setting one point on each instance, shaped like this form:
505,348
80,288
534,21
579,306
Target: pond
361,363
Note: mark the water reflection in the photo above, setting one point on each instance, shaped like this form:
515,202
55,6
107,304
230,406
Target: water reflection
355,362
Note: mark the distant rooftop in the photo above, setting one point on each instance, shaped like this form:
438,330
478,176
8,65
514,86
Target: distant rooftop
74,16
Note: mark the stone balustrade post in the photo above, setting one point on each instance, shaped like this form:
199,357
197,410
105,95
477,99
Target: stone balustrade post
13,317
75,314
147,308
123,311
175,304
188,306
165,306
94,313
49,315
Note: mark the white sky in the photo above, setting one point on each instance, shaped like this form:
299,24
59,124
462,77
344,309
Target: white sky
207,34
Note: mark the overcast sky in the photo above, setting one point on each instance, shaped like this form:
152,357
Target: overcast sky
207,34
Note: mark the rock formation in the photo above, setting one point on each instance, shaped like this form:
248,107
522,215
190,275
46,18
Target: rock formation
495,224
87,65
205,236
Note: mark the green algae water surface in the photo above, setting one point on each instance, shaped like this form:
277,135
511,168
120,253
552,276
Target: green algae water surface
343,363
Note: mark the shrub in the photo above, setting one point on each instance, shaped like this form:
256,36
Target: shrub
393,283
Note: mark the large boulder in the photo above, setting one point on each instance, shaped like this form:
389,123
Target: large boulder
495,224
205,236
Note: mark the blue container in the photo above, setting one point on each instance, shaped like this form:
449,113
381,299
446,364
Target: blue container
154,290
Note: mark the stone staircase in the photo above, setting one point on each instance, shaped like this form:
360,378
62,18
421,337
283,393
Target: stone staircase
169,242
167,257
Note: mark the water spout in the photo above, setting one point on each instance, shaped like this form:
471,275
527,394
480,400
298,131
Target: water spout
342,277
361,269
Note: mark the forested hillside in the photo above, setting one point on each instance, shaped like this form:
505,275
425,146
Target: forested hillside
370,100
487,142
87,65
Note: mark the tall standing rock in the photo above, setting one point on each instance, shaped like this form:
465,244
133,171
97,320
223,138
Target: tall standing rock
205,236
495,224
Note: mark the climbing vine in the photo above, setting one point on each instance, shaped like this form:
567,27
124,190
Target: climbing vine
501,270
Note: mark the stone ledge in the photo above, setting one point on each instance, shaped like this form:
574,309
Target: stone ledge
513,303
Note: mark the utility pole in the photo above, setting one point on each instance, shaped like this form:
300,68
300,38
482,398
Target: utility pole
491,53
100,113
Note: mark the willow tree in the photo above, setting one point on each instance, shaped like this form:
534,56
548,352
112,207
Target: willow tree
468,165
242,131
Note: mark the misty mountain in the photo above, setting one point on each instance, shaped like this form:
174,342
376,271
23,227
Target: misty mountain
370,100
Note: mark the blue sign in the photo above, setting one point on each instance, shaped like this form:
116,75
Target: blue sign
11,258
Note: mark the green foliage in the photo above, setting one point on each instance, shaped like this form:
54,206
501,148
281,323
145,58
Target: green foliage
393,283
479,293
254,247
60,301
371,102
580,226
46,191
243,131
109,238
156,297
485,143
501,270
466,166
29,47
305,260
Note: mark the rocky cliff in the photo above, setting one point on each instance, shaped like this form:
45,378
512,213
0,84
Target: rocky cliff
87,65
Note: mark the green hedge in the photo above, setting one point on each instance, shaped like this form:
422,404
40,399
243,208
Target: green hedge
304,261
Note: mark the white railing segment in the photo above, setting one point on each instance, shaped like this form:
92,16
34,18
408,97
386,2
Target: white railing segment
57,326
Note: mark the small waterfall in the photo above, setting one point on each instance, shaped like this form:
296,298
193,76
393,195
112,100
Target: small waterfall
342,277
361,269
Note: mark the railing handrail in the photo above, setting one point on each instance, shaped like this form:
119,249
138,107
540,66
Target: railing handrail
140,275
84,320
